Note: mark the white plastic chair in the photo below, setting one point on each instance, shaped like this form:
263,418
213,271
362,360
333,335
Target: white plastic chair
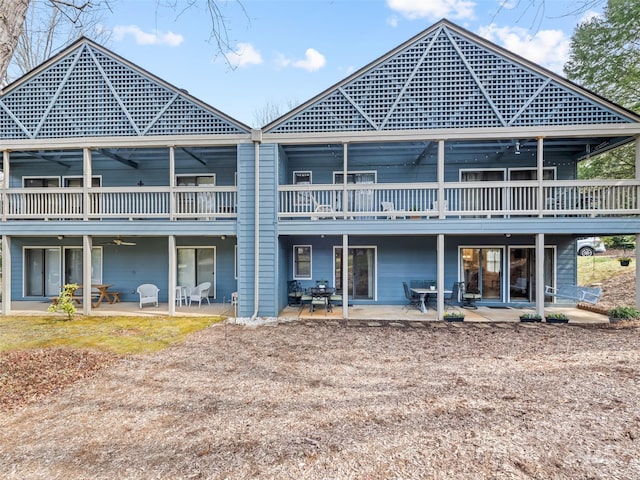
199,293
391,210
148,294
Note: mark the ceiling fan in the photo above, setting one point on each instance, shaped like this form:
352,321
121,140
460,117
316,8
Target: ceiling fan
118,242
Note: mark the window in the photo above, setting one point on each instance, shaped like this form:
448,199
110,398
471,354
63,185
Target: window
303,178
78,181
301,262
196,180
40,182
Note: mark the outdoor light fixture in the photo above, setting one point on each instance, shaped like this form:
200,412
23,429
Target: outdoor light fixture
517,152
223,237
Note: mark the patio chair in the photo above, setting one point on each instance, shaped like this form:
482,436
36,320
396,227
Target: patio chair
320,208
319,298
469,298
295,292
148,294
391,211
414,298
454,297
199,293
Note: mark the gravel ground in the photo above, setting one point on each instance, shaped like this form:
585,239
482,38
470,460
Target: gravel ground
327,401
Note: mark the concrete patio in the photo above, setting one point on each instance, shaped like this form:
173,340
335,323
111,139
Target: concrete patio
356,312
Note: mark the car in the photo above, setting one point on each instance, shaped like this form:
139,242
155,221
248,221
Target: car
588,246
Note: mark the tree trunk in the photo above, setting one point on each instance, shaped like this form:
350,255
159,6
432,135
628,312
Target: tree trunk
12,15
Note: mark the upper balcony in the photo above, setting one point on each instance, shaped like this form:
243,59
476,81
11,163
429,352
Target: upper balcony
97,203
549,198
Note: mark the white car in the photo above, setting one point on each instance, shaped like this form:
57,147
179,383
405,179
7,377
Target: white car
588,246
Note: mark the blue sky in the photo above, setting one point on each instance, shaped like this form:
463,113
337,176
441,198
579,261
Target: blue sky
285,52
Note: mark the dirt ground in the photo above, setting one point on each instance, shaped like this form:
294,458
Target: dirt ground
332,401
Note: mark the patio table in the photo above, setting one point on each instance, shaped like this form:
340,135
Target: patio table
104,294
424,292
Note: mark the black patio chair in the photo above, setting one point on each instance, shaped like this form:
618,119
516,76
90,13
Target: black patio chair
414,298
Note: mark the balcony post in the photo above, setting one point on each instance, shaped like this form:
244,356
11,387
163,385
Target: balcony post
172,183
440,174
440,275
6,275
637,145
173,277
87,182
345,276
540,274
345,169
86,274
5,184
540,176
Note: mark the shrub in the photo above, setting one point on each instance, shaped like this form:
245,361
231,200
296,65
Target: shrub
625,312
65,301
558,316
531,316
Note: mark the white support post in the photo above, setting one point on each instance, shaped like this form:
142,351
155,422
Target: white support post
172,183
540,274
345,169
6,275
172,275
637,271
540,175
5,184
440,275
345,276
86,274
442,202
87,182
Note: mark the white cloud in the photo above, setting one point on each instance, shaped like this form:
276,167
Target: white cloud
313,60
435,9
244,55
393,21
508,4
590,15
143,38
549,48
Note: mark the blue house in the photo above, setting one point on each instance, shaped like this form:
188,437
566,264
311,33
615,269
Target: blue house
448,159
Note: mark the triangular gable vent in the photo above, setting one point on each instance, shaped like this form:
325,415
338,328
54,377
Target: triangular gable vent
90,92
446,78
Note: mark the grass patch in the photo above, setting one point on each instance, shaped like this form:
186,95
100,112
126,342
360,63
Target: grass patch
597,269
120,335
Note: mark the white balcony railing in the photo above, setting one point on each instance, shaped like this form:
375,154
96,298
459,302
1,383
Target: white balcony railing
119,202
461,199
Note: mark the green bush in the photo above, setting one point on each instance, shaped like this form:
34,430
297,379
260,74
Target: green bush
626,312
620,241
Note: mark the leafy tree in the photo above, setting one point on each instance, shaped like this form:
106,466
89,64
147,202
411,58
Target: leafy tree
605,58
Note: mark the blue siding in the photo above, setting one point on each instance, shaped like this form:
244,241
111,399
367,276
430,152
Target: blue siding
246,232
126,267
268,301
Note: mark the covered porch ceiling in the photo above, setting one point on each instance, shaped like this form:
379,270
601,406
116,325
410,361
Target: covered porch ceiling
456,151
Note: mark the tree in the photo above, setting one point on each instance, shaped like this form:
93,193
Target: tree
605,58
270,111
13,14
47,29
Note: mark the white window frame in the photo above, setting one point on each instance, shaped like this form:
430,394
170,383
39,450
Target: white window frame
545,169
24,265
375,266
214,284
73,177
355,172
40,177
196,176
297,173
295,263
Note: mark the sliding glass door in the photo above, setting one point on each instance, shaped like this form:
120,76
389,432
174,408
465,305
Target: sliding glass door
361,276
196,265
482,271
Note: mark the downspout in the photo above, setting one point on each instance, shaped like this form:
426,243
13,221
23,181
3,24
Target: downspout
256,137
